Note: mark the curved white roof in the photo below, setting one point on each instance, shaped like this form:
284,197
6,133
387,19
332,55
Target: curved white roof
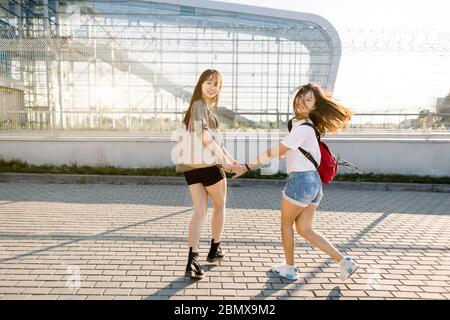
326,26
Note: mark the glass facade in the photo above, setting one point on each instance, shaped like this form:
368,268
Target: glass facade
132,65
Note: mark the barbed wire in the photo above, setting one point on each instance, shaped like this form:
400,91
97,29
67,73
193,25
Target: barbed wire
396,39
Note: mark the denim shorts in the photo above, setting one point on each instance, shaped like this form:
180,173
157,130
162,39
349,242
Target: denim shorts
304,188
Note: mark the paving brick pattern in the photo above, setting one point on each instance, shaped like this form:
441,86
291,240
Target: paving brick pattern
75,241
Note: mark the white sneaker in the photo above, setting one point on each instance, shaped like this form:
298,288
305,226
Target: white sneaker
348,267
286,270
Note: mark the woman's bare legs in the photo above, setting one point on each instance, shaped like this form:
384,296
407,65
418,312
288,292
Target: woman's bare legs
289,212
200,203
303,224
218,193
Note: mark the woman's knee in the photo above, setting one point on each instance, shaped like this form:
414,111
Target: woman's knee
304,231
285,226
219,204
219,207
199,213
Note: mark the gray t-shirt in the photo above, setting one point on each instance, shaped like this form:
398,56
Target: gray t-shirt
202,118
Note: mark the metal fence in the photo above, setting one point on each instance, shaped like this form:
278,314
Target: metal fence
168,121
80,66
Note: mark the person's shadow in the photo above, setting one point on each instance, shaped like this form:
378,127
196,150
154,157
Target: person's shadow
269,289
177,285
335,293
271,286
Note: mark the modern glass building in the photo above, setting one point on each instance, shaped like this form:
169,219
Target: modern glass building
132,65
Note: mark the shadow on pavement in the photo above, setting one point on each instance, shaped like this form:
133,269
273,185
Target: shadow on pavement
261,197
178,286
335,294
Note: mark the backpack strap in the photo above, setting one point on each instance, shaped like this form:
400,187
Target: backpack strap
303,151
312,126
304,124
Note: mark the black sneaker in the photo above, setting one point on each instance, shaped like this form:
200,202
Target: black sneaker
215,252
193,268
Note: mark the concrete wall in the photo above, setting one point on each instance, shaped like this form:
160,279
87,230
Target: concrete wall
396,156
416,156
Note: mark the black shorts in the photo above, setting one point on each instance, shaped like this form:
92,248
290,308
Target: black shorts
206,176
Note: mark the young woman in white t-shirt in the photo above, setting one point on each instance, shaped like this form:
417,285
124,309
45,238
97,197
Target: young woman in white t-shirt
303,191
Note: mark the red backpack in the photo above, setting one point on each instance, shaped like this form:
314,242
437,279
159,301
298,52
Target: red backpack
328,164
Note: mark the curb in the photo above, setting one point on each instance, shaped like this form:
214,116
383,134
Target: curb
154,180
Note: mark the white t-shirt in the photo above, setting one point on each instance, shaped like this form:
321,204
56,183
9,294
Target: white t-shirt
305,137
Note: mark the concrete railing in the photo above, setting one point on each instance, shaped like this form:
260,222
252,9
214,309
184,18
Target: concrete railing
407,155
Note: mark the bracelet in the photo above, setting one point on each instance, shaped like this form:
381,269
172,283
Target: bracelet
248,168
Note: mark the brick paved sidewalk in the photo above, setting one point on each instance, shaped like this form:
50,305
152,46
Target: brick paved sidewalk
74,241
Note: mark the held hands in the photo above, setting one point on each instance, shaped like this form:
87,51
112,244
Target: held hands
239,171
235,168
230,167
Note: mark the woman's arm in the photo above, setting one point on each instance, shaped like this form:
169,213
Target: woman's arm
209,142
229,156
265,157
200,127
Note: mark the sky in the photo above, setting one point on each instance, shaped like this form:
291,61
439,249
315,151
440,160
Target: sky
376,73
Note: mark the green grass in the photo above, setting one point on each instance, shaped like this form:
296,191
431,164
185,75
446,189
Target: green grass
372,177
23,167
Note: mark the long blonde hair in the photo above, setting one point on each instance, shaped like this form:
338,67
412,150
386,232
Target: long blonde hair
197,95
328,115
